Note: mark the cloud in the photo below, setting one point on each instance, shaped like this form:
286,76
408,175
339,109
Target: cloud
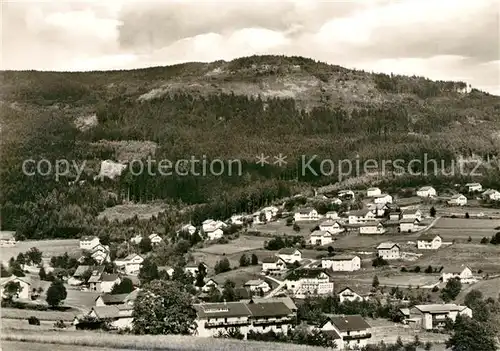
441,39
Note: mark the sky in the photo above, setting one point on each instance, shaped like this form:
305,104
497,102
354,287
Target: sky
439,39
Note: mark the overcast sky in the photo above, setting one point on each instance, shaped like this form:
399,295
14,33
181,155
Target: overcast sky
441,39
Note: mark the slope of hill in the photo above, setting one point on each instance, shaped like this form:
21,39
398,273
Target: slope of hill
224,110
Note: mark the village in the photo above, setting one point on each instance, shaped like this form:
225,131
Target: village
360,246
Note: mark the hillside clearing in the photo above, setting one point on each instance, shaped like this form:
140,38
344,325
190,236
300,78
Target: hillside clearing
124,212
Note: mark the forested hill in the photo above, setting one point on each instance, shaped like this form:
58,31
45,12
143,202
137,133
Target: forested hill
252,105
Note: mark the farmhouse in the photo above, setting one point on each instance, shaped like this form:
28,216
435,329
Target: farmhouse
389,251
361,216
429,242
211,225
237,219
332,227
214,318
273,265
353,330
7,239
462,272
213,233
78,277
426,191
372,192
100,253
491,194
411,213
24,283
409,225
257,285
89,242
347,294
342,263
332,215
306,214
116,299
372,228
270,211
302,282
188,228
210,284
120,316
458,200
320,238
434,316
103,282
474,187
290,255
131,264
383,199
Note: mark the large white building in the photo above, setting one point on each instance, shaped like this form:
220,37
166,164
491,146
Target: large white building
353,331
372,228
306,214
89,242
333,227
474,187
131,264
427,191
320,238
342,263
409,225
215,318
433,316
310,281
457,200
361,216
273,265
429,242
290,255
389,251
383,199
464,273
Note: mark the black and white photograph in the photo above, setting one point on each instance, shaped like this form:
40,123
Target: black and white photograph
250,175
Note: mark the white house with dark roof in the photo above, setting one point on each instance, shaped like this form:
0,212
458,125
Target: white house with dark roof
306,214
131,264
332,227
256,285
372,192
429,241
192,268
353,330
213,233
273,264
290,255
320,238
389,251
474,187
409,225
89,242
457,200
382,199
434,316
491,194
103,282
372,228
426,191
462,272
308,281
342,263
348,294
210,284
411,214
361,216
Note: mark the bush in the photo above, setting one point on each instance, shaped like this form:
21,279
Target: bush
33,320
484,240
60,324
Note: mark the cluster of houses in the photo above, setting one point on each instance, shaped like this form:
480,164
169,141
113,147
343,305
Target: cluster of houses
99,252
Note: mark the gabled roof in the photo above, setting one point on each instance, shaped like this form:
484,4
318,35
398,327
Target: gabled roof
455,269
428,237
440,308
222,310
408,220
5,280
255,282
373,189
109,277
307,273
305,210
332,334
286,300
426,188
88,238
320,233
82,269
104,312
472,184
345,257
288,251
372,224
130,257
111,299
6,235
270,309
387,246
349,323
457,196
359,213
272,259
329,222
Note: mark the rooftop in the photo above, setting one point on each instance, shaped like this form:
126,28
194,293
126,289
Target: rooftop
440,308
269,309
221,310
287,251
345,257
427,237
386,246
349,323
306,273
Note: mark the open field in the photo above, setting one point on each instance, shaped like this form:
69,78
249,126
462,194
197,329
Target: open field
14,313
476,256
489,288
461,228
240,245
22,324
473,211
29,346
123,212
142,342
280,228
49,248
239,276
80,299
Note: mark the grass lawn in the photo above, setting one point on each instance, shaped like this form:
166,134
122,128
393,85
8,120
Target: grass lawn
80,299
240,245
49,248
15,313
280,228
489,288
476,256
461,228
